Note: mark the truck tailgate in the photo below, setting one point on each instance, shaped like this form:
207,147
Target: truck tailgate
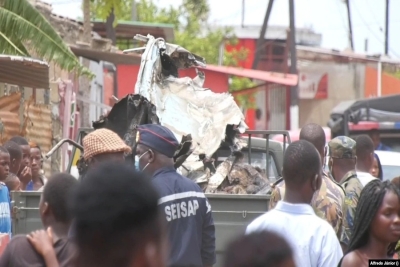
232,213
25,212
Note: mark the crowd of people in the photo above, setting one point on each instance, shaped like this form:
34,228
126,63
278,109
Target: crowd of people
150,215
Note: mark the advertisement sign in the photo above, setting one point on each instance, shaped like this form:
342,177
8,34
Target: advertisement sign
313,84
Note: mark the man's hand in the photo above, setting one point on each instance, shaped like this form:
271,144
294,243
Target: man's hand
42,241
25,176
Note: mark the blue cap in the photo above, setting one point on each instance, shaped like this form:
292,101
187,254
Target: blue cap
157,137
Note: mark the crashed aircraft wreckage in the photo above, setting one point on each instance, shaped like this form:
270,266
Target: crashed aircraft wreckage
198,117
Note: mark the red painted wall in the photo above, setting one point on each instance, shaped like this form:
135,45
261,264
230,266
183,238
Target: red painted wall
390,85
250,45
215,81
127,76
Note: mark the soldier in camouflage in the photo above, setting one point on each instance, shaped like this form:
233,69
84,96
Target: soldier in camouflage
328,202
342,164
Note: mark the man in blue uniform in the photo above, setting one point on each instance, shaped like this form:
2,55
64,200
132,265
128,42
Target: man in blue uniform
183,204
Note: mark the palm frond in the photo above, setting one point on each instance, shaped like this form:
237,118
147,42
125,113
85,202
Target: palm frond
8,47
22,23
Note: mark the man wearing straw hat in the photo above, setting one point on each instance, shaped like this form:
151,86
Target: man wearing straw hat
103,145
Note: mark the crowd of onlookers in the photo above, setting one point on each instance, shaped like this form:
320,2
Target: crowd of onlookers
149,215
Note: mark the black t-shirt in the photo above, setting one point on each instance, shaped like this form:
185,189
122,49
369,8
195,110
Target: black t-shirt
20,253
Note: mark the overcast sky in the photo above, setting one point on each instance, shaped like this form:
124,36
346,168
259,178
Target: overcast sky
327,17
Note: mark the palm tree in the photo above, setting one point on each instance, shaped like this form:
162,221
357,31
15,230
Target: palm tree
25,32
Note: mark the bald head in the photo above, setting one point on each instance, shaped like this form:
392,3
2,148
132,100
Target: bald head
301,163
314,134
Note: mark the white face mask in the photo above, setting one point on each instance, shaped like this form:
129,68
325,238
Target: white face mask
137,158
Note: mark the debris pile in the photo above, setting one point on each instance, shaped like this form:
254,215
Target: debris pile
232,176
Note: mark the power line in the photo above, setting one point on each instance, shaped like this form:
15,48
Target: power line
341,15
373,33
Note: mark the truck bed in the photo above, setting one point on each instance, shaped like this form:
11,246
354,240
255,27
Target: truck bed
231,213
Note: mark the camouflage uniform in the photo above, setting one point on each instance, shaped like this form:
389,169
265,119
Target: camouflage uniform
343,147
328,202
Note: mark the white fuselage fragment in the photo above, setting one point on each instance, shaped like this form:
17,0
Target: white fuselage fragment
184,106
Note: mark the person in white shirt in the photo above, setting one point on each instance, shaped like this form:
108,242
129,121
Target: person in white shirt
312,239
365,158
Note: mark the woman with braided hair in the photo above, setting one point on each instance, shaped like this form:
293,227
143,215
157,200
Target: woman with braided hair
376,224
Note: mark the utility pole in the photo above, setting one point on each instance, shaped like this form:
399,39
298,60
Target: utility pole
243,5
387,29
294,106
260,41
134,12
350,25
84,82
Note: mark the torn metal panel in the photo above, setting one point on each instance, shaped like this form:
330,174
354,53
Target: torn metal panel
182,105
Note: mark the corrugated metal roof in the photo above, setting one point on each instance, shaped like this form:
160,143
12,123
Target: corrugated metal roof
38,128
9,125
273,77
9,116
24,71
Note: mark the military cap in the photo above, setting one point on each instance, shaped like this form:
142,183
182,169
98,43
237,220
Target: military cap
342,147
157,137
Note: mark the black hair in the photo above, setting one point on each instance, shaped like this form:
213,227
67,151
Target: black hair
380,176
364,146
300,163
57,192
116,211
14,149
314,134
373,132
10,180
4,150
258,250
368,205
19,140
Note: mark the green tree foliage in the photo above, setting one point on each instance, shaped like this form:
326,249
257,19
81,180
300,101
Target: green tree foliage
23,29
192,31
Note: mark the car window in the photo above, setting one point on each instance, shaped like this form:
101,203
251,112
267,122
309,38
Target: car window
390,172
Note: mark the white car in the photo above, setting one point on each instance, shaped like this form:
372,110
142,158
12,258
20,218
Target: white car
390,162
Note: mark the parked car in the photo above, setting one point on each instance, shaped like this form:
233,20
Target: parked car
390,164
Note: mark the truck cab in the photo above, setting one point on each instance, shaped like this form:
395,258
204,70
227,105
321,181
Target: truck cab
379,114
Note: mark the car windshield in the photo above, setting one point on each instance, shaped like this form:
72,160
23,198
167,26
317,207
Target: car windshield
390,172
